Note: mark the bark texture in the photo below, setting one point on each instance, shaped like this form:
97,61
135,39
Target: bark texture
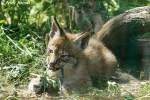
119,32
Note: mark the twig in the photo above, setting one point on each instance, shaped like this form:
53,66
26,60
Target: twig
145,96
16,45
127,91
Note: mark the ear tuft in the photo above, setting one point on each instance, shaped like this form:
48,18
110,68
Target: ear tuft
55,28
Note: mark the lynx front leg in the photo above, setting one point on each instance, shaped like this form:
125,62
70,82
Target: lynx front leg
78,81
75,84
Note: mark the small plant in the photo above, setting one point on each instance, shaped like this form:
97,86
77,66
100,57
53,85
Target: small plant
16,72
129,97
144,89
144,36
113,88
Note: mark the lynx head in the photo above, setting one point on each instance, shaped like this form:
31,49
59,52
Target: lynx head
60,47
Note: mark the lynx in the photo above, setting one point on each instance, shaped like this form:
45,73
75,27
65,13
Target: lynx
78,64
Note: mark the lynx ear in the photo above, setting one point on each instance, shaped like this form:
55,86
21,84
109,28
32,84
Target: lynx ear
56,30
82,39
81,36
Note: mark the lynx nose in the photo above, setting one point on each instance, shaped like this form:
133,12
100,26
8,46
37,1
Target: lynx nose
51,65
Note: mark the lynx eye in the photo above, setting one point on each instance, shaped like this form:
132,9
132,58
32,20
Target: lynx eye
50,50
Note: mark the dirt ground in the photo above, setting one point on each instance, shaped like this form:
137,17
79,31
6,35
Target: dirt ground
130,88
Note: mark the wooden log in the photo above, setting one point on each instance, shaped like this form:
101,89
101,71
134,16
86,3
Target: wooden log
117,32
